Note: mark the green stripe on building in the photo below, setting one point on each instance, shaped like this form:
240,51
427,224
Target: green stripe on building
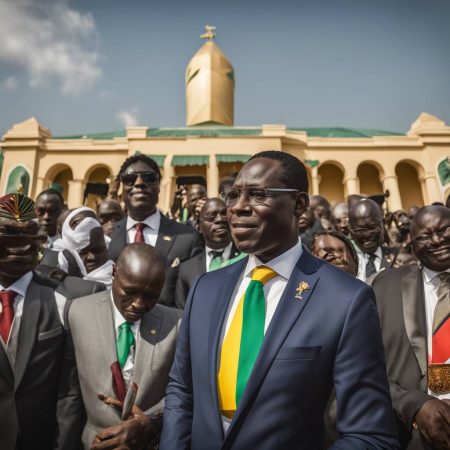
189,160
232,158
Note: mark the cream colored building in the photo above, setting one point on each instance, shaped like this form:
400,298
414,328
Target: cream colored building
414,167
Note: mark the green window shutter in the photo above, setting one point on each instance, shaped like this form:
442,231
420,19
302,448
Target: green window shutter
312,162
159,159
444,171
18,181
189,160
232,158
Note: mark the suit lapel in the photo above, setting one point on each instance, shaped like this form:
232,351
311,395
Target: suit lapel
414,314
385,264
286,314
6,371
28,329
215,330
149,330
106,340
118,240
165,237
200,261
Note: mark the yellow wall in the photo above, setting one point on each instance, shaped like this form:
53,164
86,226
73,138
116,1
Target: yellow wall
346,165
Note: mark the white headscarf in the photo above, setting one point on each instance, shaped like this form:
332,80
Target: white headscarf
74,240
103,274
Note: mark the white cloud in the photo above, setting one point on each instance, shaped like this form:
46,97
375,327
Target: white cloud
10,84
50,40
128,118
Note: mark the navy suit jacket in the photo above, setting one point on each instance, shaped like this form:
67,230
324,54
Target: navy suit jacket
330,337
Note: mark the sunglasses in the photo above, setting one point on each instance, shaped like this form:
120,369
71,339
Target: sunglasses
129,179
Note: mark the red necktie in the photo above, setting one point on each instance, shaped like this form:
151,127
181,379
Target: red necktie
441,322
139,237
7,314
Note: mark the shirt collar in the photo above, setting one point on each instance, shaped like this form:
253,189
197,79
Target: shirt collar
21,285
378,253
429,275
223,250
283,264
151,221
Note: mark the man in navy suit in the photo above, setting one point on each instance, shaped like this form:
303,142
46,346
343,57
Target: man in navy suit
264,341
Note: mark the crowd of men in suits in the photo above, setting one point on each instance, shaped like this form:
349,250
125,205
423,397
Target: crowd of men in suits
262,318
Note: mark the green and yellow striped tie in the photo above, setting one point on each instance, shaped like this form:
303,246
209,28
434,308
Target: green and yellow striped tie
242,342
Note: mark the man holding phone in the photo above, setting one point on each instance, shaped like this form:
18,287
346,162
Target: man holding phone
140,177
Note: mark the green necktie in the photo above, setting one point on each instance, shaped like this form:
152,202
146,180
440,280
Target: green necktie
216,260
254,316
125,340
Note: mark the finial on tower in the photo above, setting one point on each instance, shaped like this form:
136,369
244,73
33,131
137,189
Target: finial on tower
209,32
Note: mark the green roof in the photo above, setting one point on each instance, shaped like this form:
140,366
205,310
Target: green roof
224,131
105,135
345,132
207,131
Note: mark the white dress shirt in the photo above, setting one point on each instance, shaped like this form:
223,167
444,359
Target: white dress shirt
127,370
430,287
225,255
20,286
363,259
150,231
283,265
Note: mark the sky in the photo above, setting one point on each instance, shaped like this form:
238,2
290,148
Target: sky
84,66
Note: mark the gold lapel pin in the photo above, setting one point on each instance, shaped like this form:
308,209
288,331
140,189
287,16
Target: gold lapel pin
303,286
167,238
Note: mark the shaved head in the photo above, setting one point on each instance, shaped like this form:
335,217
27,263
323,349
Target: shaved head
138,279
138,259
365,208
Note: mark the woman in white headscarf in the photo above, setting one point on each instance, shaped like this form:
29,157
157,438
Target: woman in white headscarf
82,237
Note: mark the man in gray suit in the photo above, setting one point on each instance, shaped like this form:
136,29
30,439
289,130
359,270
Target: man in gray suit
118,338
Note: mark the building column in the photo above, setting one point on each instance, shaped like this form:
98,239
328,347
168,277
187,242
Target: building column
75,194
351,185
315,177
212,177
394,201
40,186
430,189
165,196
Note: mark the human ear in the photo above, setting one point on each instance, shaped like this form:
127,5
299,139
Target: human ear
301,203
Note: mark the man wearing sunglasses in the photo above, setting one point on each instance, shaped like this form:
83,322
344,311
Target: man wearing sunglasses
367,231
264,340
140,177
32,336
414,305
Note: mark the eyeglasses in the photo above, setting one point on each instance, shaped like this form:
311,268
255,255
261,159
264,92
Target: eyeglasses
253,196
371,229
212,217
425,239
147,177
